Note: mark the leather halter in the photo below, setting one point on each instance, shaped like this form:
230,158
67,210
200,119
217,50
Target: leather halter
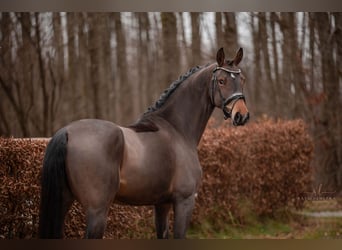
225,101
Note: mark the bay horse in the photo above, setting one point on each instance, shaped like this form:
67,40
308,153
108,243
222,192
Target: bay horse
152,162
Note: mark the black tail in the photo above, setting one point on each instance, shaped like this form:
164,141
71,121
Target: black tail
54,185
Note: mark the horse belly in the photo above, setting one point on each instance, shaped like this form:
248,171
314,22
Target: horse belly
145,176
144,185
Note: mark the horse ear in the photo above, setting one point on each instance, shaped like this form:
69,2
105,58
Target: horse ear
220,57
238,57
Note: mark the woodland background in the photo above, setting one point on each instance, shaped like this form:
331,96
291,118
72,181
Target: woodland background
60,67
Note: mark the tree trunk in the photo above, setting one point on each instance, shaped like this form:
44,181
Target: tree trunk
5,64
124,87
43,83
108,89
338,135
256,82
143,61
219,32
230,34
170,58
57,65
297,79
275,52
330,112
83,67
95,62
196,54
269,84
287,94
71,86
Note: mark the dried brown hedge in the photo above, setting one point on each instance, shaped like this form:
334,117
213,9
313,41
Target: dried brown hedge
262,167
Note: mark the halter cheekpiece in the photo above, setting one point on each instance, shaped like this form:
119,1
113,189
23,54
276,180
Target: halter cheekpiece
225,101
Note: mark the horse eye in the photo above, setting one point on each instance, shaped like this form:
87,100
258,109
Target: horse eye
221,82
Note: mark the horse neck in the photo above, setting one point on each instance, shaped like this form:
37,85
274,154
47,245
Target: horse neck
190,107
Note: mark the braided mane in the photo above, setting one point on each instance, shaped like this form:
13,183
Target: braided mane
167,92
145,123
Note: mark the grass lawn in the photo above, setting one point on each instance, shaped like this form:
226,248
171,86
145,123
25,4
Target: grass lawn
292,225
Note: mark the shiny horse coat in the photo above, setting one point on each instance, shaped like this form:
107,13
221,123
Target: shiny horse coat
152,162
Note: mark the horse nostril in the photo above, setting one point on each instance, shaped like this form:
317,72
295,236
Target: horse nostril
246,118
238,118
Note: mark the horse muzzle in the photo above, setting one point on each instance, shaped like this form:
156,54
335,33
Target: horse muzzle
235,107
240,114
240,119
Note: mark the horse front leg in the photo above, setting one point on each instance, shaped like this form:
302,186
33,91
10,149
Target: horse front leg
183,210
161,220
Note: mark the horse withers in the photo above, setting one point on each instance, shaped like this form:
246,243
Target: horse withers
152,162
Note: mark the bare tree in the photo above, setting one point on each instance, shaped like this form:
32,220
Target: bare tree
331,101
264,37
275,53
219,30
338,133
195,38
257,74
15,71
230,33
56,67
124,87
143,57
170,58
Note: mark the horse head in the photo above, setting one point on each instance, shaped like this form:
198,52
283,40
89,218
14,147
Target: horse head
227,88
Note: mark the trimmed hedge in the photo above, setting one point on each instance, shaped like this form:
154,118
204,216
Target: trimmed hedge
261,168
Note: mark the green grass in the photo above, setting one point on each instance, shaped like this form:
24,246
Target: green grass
268,228
285,225
322,228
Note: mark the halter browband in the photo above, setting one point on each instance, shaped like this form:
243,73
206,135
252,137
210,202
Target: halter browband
237,71
225,101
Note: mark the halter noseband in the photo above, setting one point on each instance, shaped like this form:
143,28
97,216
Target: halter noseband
225,101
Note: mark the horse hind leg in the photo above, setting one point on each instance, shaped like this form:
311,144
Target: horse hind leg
94,174
161,220
97,205
96,223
